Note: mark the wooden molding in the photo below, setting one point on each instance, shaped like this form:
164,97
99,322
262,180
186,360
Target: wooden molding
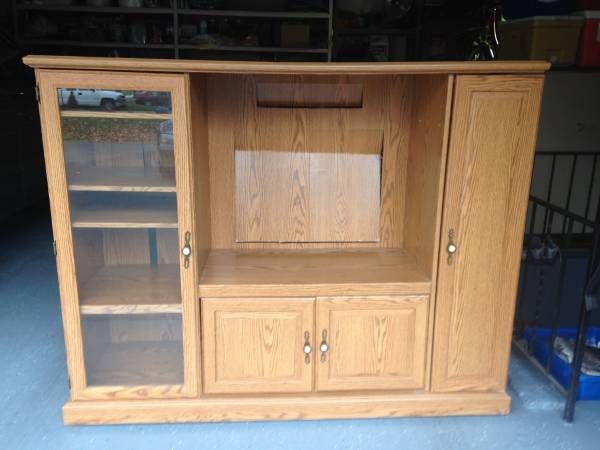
285,408
229,67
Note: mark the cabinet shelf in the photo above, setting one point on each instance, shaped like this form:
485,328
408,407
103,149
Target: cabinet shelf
115,115
263,14
254,49
118,179
132,289
136,364
312,272
92,44
94,9
124,215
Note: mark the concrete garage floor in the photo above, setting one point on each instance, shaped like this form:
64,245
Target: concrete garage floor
34,386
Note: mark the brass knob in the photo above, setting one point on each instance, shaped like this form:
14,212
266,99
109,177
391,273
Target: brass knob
452,248
324,347
307,348
186,250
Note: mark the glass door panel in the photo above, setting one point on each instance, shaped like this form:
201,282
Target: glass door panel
119,158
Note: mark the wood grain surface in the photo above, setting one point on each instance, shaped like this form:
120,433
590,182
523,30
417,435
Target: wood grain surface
256,345
229,67
374,342
489,165
311,272
314,407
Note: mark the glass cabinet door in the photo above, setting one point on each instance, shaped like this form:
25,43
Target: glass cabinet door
119,162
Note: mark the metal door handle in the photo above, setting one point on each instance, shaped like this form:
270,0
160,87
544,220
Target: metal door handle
307,348
186,250
452,248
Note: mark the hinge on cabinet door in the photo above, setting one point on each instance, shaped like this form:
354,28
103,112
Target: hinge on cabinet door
69,382
54,247
37,92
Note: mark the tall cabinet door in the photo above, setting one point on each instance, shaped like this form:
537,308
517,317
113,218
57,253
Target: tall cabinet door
494,126
117,159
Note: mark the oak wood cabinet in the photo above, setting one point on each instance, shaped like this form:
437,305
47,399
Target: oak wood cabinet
250,241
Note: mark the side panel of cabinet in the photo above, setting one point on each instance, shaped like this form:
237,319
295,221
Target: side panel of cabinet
373,342
494,126
257,345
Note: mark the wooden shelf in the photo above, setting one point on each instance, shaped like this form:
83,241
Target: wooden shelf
70,43
264,14
187,11
114,114
113,179
132,289
136,364
95,9
117,216
312,272
254,49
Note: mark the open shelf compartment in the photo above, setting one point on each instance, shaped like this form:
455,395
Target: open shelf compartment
318,184
133,350
238,273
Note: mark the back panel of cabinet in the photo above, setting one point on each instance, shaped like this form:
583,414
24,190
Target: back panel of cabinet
308,161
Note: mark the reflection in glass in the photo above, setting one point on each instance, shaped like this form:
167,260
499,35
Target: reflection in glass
114,100
127,154
118,148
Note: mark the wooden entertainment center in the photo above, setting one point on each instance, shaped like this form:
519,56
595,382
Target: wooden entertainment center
267,241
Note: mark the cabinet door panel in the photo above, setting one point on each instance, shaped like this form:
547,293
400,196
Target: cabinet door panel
489,165
119,177
256,345
374,342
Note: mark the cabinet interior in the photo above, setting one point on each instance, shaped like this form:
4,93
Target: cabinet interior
317,180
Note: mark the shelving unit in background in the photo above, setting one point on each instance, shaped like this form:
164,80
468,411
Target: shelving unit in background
177,17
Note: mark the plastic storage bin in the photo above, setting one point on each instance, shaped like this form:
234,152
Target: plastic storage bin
589,44
553,38
516,9
538,343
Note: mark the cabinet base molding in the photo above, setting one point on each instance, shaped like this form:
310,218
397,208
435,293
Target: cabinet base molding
285,408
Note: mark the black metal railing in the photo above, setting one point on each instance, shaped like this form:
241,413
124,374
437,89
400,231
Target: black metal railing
563,222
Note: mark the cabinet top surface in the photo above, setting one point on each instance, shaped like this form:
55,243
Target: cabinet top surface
250,67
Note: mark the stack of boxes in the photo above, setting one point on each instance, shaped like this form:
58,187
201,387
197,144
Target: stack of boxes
560,31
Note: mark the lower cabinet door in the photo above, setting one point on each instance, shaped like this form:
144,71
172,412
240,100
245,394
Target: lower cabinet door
371,342
257,345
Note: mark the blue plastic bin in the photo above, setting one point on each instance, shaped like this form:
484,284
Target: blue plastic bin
515,9
538,340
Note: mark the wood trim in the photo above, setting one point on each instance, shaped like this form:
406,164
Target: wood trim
313,290
180,99
230,67
286,408
137,392
61,228
431,265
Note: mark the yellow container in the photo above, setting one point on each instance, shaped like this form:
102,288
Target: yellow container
553,38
